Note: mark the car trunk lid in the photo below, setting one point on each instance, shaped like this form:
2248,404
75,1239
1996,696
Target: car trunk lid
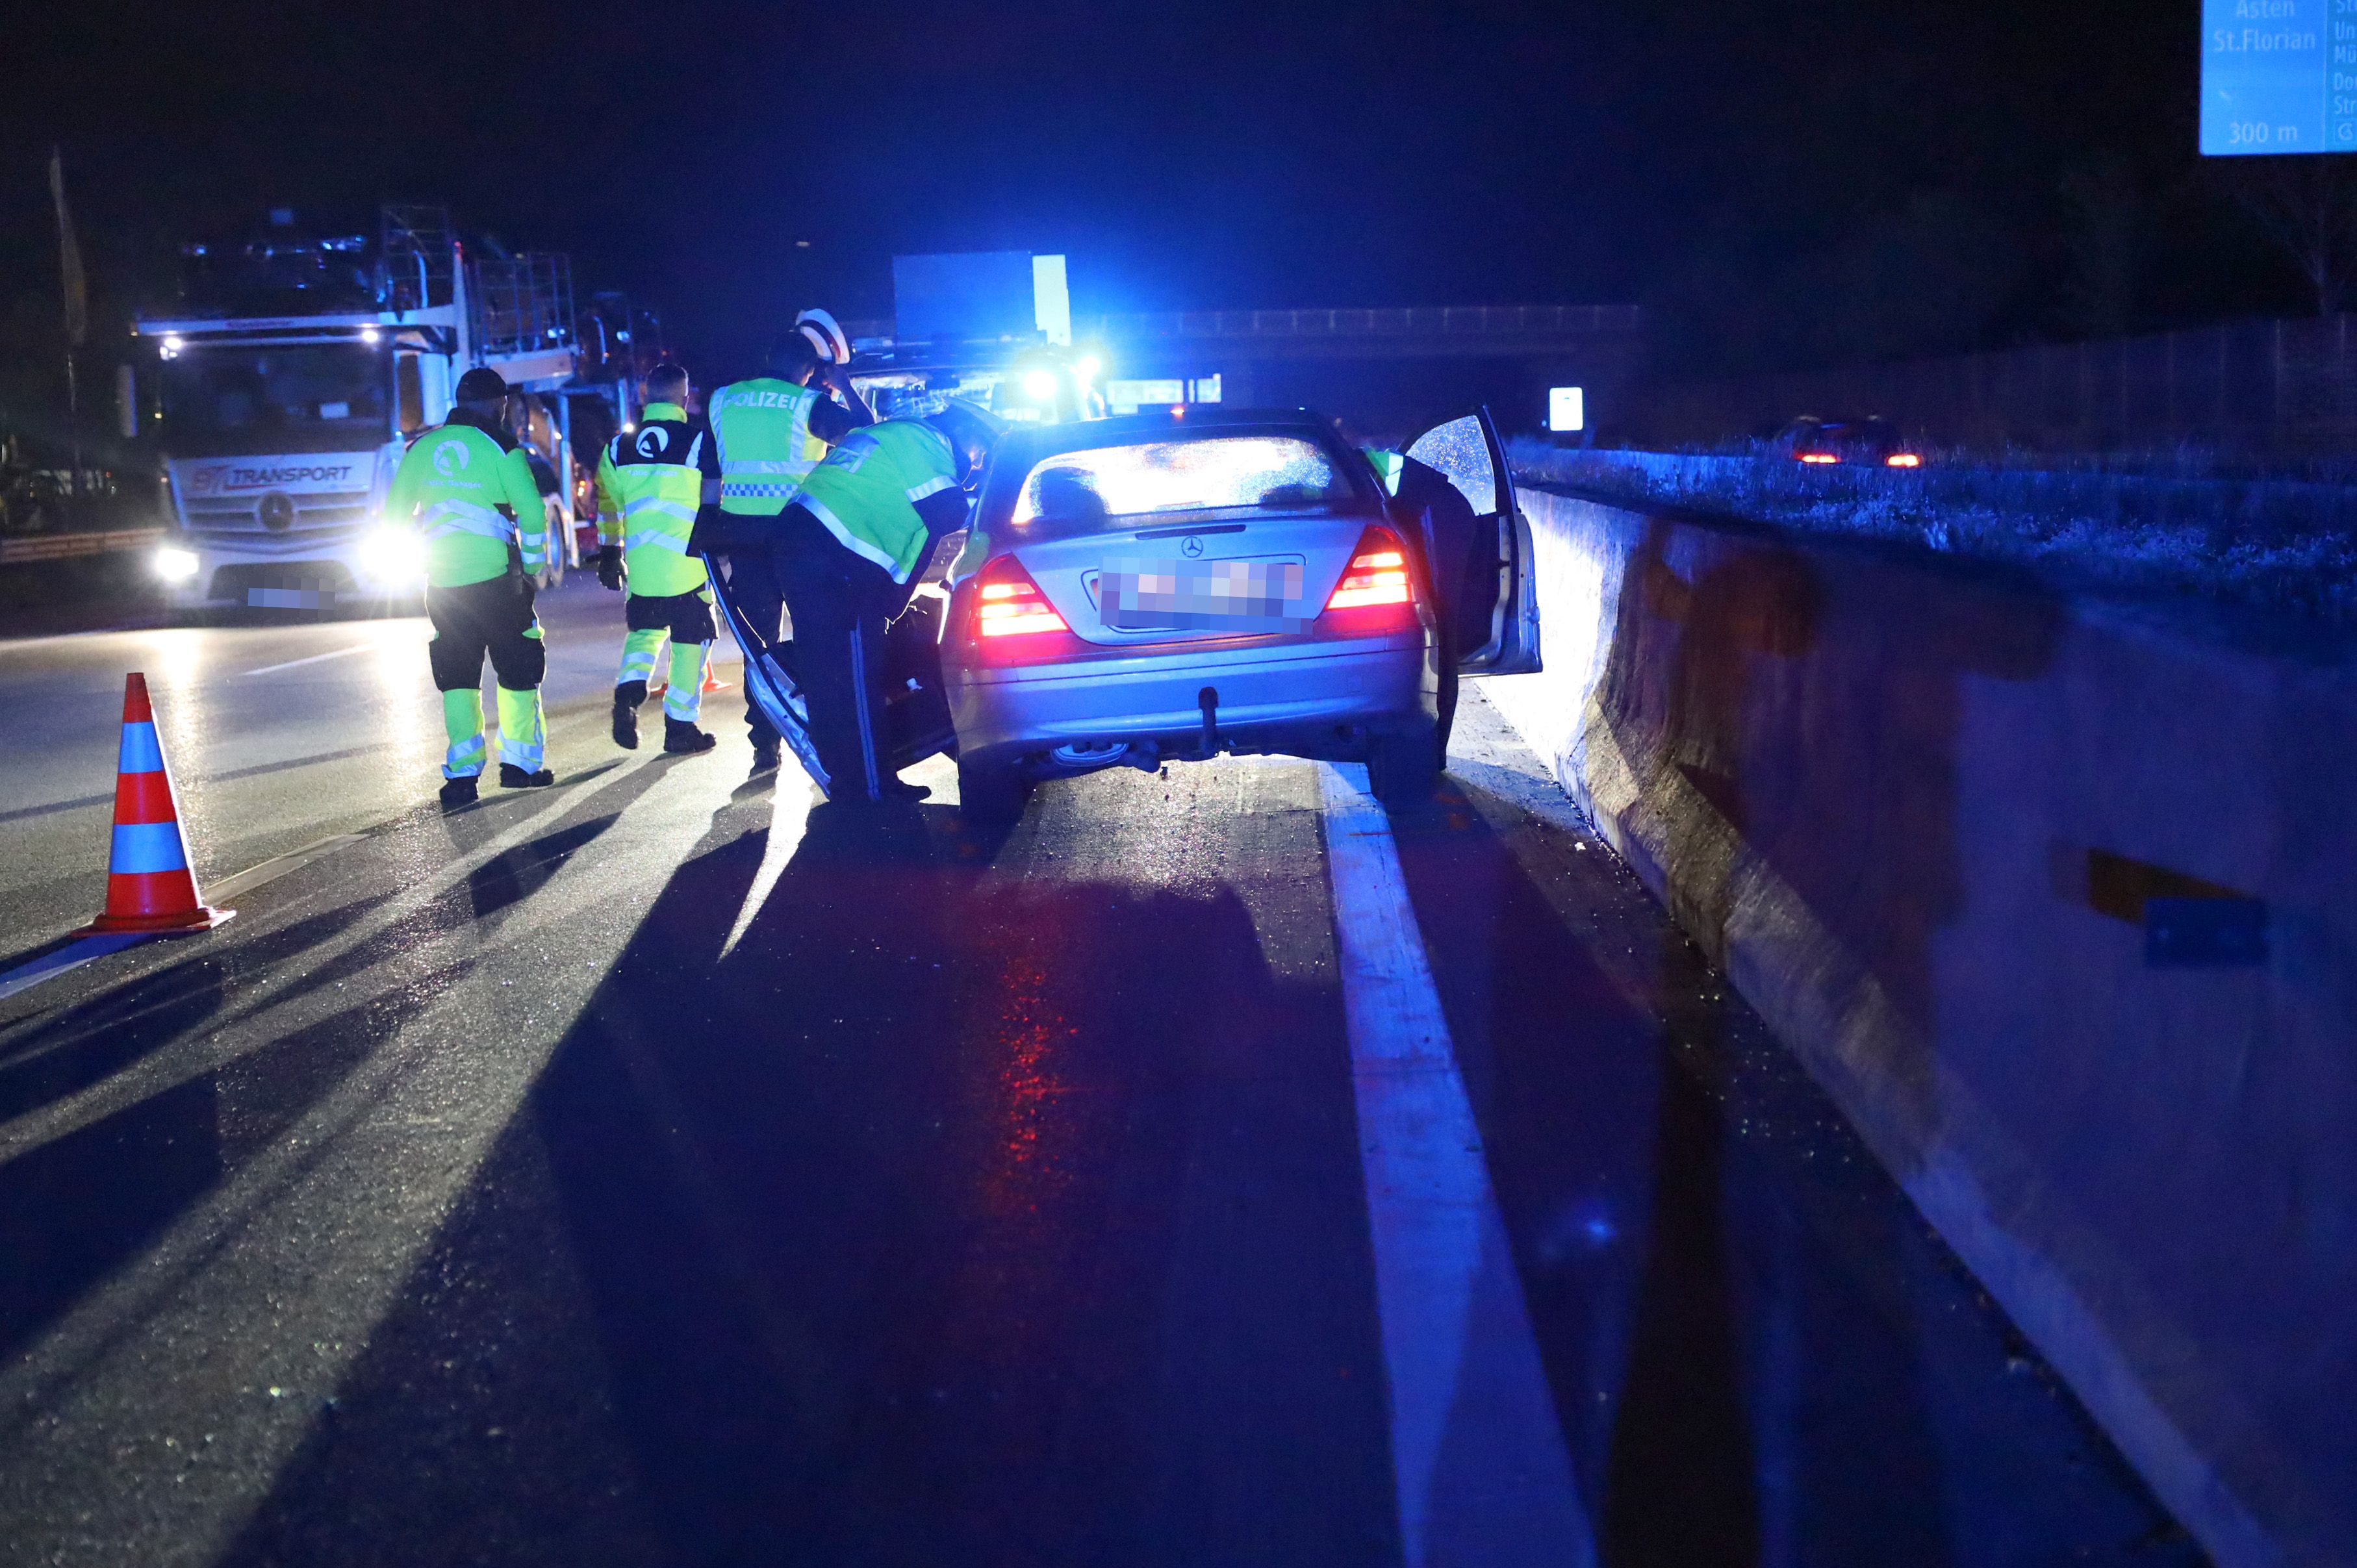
1174,584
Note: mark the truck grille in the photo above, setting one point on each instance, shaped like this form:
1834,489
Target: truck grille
304,522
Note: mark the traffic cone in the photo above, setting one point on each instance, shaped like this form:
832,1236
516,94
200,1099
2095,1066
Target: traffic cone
712,682
150,890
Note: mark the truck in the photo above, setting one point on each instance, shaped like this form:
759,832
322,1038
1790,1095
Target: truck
294,368
993,328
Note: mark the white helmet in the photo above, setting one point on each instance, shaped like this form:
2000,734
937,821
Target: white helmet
825,335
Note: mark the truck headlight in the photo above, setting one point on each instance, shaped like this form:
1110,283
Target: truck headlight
394,557
175,565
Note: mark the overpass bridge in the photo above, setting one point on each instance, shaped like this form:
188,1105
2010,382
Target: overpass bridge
1386,366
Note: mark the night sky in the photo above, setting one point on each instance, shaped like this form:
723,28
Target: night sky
1782,183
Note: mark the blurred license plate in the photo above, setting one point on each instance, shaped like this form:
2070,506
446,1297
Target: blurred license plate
1203,596
286,598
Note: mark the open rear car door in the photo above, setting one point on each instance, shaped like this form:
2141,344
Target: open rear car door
1467,451
916,710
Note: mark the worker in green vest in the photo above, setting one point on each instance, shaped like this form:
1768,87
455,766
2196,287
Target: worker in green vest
467,482
846,552
650,488
768,434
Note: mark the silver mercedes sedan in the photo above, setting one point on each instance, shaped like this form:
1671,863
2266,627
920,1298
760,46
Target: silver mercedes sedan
1167,586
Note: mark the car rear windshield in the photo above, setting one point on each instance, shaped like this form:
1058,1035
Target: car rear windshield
1161,479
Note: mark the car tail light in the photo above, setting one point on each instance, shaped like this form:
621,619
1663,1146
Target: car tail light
1377,574
1904,461
1007,602
1818,458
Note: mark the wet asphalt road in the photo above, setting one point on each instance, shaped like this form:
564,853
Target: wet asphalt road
278,732
660,1170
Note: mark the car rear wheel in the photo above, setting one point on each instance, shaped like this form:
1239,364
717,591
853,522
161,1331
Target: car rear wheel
990,795
1404,770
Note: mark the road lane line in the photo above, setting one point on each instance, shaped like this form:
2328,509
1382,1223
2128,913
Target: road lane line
278,865
318,659
1477,1453
78,803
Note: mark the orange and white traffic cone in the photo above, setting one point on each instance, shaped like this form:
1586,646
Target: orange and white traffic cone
150,890
712,681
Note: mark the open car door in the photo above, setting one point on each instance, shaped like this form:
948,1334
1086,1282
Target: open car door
916,709
1467,451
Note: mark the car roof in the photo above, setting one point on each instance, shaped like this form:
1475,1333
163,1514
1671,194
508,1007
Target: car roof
1031,444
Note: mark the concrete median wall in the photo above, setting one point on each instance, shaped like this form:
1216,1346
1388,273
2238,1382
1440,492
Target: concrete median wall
2058,901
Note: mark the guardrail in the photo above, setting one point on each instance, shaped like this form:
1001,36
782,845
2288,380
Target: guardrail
65,546
2051,896
2280,544
1447,321
2284,387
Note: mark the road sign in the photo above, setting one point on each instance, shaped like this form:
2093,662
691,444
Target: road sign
2279,76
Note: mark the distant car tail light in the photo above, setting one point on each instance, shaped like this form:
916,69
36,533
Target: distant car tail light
1904,461
1817,458
1007,602
1377,574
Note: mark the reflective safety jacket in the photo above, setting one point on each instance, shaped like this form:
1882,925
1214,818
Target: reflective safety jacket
869,488
760,431
1389,466
467,485
650,483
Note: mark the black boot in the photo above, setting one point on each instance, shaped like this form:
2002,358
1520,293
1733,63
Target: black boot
457,793
895,792
514,778
627,698
765,757
682,736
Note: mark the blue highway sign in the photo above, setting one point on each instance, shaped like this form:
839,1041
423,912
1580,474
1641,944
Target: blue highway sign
2279,76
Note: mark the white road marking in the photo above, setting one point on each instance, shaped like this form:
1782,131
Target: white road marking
278,865
1478,1454
322,658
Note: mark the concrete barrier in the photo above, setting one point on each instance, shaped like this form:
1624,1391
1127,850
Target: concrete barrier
2058,900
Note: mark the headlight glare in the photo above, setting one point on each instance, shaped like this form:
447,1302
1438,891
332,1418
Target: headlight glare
393,557
174,565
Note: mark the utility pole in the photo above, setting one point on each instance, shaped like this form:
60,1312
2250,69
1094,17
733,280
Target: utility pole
75,289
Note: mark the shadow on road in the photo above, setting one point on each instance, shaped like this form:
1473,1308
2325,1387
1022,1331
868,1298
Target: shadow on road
75,1208
955,1216
1759,1353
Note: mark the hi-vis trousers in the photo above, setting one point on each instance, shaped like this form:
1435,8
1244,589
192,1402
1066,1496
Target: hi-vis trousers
686,620
471,621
